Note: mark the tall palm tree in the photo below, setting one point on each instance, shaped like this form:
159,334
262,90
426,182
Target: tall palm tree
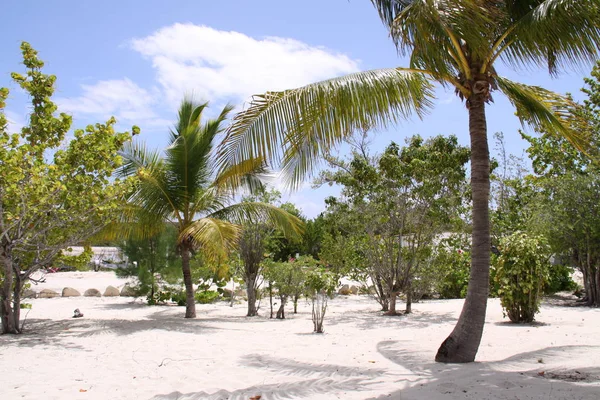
456,43
184,188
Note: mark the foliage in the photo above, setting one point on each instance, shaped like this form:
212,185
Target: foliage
559,279
320,284
522,272
187,189
457,45
80,262
153,260
566,207
288,279
54,193
207,296
451,263
392,208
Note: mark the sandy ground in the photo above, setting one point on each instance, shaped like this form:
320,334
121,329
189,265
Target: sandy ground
123,349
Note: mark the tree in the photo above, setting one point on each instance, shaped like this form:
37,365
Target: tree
570,221
400,202
456,43
320,285
258,239
53,194
287,278
151,256
184,188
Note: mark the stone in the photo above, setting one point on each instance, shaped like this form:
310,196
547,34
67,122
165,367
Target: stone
92,293
111,291
128,291
227,293
47,294
29,294
354,289
344,290
70,292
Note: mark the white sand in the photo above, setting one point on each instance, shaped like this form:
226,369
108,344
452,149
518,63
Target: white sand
123,349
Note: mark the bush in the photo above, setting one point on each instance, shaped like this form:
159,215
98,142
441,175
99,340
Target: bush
521,272
206,296
559,280
451,267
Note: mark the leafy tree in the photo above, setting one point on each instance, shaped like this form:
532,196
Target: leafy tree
522,272
187,189
287,278
456,44
320,285
566,207
400,202
53,194
153,260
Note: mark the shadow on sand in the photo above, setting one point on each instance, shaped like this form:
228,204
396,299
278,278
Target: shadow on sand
521,376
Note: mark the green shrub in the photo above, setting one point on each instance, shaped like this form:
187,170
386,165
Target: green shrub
451,267
207,296
521,271
559,280
26,306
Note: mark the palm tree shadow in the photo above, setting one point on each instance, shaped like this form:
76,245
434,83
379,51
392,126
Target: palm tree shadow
518,376
317,379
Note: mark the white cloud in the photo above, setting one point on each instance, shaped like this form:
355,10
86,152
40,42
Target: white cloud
230,66
121,98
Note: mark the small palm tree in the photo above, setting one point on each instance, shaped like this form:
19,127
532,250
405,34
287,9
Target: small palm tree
457,44
184,188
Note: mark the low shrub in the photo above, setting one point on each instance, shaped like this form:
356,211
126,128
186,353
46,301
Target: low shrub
521,272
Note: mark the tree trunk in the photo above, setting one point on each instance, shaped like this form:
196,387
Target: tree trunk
190,301
462,344
281,311
251,292
296,297
7,315
152,267
408,309
392,304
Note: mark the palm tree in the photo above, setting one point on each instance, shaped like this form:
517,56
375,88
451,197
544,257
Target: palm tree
185,189
455,43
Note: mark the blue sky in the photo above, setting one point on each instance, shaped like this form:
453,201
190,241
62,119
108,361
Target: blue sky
136,59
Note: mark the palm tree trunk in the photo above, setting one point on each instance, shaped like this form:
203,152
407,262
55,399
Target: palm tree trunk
190,301
462,344
251,292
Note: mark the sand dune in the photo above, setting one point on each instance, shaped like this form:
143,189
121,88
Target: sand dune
123,349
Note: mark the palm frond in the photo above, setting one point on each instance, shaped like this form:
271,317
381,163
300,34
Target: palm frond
326,112
136,155
214,237
544,110
262,213
249,175
556,34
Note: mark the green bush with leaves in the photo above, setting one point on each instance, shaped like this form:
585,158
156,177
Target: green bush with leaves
559,280
320,285
207,296
521,272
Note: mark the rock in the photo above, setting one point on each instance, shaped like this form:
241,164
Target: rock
29,294
354,289
70,292
111,291
226,293
344,290
92,293
128,291
47,294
